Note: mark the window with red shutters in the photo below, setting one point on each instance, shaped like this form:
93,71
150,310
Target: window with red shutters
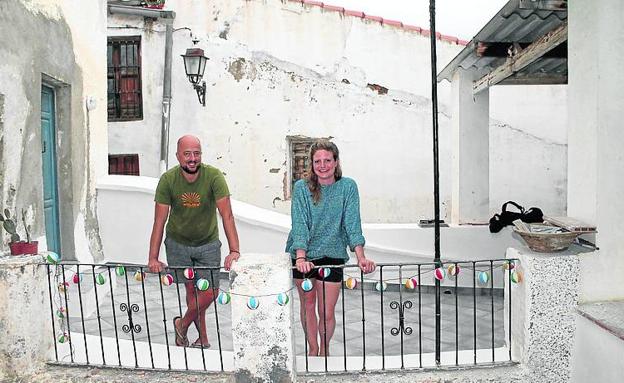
125,102
123,164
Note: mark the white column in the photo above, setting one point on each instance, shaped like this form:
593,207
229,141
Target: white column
24,317
470,122
263,337
595,140
543,313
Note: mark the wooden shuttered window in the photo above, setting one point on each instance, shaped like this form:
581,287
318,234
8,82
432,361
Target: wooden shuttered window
125,101
123,164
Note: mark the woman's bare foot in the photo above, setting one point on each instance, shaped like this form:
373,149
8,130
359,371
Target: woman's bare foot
313,352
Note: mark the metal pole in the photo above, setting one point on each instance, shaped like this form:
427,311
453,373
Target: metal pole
166,101
436,172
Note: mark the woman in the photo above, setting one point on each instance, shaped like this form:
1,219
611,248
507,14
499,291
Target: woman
325,214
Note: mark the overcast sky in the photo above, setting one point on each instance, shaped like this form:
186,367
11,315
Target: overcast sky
461,18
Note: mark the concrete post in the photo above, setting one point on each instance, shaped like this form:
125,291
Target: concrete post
595,137
263,337
470,122
543,313
24,317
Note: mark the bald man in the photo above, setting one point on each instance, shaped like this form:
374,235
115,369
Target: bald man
189,195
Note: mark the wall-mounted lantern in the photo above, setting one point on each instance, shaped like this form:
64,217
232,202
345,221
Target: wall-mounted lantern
194,66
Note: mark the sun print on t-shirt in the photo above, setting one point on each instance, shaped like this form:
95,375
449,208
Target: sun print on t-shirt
190,199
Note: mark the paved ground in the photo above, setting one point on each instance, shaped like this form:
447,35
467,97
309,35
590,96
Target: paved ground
369,328
52,373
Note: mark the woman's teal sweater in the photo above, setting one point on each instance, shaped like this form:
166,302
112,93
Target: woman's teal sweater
327,228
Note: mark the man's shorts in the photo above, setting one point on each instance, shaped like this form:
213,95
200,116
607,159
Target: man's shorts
182,256
335,274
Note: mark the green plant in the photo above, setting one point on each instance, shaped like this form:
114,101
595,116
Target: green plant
26,227
10,226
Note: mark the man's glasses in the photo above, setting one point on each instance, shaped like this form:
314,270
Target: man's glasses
188,155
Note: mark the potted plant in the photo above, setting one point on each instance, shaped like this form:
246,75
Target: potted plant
16,245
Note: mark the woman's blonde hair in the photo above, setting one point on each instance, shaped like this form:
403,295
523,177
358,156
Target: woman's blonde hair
312,178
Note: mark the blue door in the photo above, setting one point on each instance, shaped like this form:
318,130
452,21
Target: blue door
48,153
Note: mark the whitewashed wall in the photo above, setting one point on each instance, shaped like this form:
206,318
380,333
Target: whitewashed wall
61,44
126,214
276,69
528,147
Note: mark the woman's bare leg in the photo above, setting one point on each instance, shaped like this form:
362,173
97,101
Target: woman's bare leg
326,310
309,320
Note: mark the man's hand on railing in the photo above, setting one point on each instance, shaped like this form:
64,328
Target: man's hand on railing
155,266
233,256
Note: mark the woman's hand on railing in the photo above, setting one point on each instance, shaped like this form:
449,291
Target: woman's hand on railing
304,266
366,265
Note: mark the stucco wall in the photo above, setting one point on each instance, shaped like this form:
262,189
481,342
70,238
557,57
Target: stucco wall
59,44
279,68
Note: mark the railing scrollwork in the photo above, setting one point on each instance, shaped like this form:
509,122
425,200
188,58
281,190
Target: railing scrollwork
130,326
401,307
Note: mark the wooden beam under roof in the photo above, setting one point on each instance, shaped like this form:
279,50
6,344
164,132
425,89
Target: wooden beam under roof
501,49
533,78
523,58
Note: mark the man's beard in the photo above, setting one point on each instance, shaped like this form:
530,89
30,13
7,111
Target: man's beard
189,171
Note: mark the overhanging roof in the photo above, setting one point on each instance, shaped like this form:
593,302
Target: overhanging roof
524,43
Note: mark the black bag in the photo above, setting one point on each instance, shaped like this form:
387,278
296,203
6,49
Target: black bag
498,221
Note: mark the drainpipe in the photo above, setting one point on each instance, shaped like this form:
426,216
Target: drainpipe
166,101
168,16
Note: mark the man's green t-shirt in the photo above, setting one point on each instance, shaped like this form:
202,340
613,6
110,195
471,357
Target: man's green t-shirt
192,214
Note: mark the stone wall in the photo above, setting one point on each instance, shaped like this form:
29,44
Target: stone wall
25,316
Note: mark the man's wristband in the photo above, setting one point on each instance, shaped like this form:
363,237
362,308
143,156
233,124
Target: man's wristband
298,258
235,251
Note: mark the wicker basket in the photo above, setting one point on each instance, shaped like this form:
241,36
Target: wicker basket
548,242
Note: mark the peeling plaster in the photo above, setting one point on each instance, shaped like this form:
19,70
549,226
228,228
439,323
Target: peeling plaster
378,88
224,32
241,68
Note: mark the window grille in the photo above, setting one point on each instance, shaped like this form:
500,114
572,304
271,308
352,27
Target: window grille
125,100
123,164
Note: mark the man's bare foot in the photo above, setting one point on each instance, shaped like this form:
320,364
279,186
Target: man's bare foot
199,344
323,353
313,352
180,335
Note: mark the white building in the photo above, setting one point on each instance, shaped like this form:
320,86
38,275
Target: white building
276,72
280,71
